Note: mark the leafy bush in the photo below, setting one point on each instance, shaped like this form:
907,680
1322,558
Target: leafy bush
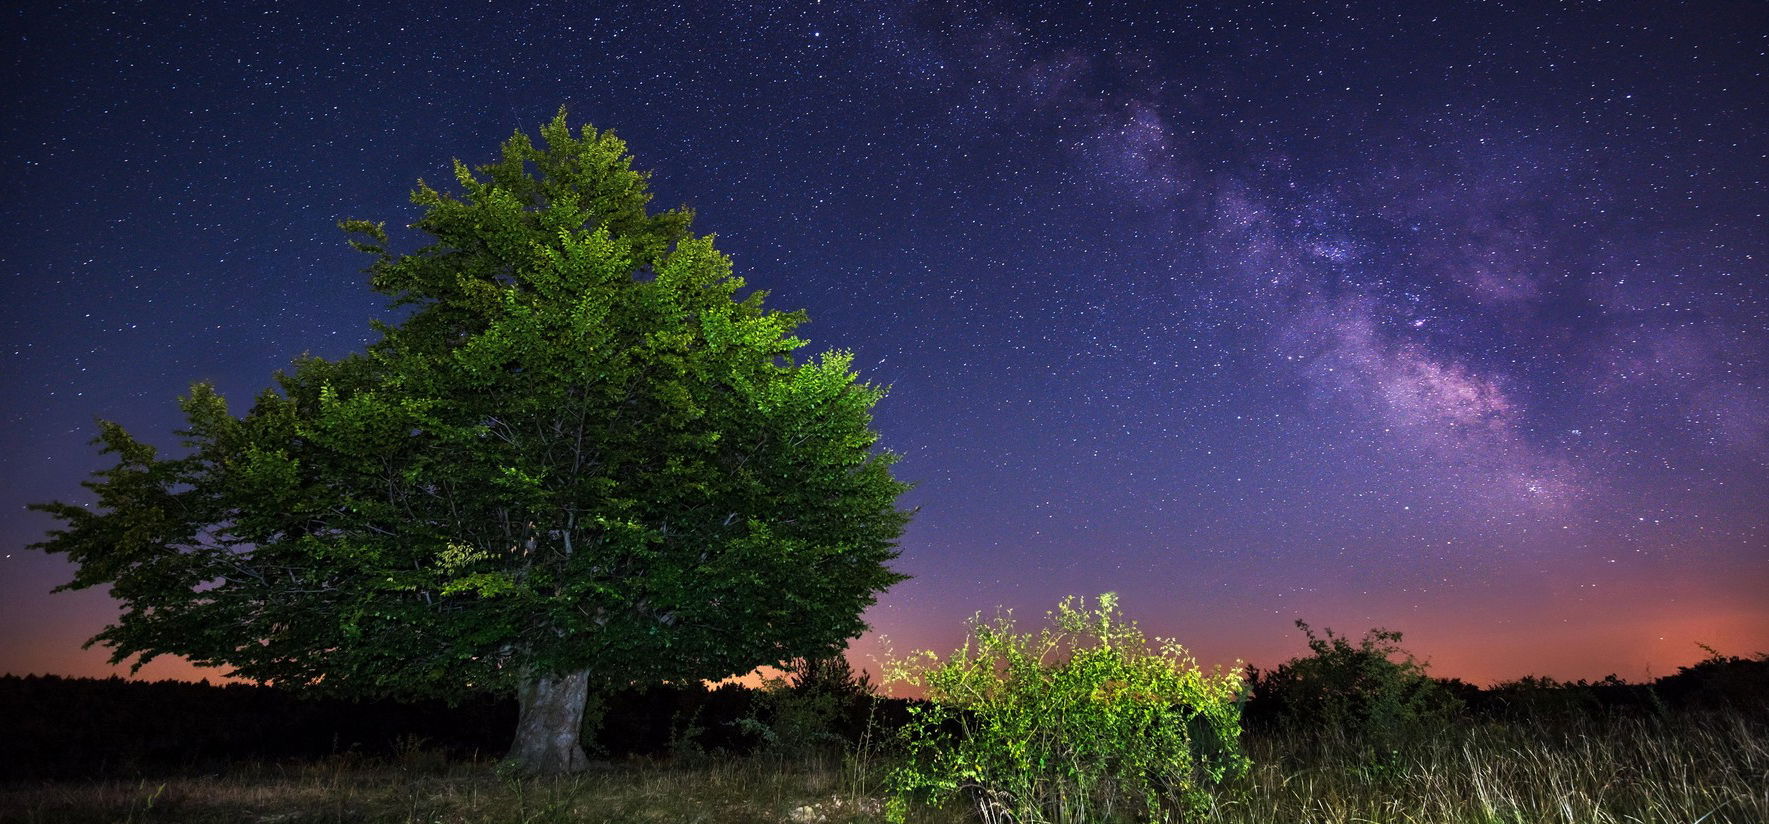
804,710
1372,695
1081,721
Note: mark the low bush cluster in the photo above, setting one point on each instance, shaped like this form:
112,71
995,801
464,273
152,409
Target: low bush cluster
1372,694
1081,721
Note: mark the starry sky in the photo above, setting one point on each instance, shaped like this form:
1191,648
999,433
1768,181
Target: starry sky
1446,317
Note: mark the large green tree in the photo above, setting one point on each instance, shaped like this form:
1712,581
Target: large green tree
582,460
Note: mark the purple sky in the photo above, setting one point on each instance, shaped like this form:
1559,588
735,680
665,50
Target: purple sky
1445,317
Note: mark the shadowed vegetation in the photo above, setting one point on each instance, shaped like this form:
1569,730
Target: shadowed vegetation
1709,768
819,745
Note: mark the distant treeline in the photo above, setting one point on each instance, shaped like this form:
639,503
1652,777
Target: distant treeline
55,727
1718,683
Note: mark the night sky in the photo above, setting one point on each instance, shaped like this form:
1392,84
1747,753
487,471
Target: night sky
1446,317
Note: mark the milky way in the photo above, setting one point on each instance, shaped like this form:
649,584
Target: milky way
1445,317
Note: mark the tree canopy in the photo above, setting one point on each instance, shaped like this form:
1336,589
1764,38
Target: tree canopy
583,453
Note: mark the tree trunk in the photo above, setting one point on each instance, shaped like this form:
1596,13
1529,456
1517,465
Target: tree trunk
548,728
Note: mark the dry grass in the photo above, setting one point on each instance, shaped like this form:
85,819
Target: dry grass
1629,771
1622,772
349,790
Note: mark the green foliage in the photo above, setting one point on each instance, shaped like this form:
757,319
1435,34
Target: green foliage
582,450
831,674
801,712
1373,694
1082,721
685,733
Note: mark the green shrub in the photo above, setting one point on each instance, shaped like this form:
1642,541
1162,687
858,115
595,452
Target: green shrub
801,712
1372,695
1081,721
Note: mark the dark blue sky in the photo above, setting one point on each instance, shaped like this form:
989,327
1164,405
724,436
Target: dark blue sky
1450,317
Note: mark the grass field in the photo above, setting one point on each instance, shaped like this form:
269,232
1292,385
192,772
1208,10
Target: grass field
1703,769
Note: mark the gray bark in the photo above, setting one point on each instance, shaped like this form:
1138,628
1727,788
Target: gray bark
547,730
